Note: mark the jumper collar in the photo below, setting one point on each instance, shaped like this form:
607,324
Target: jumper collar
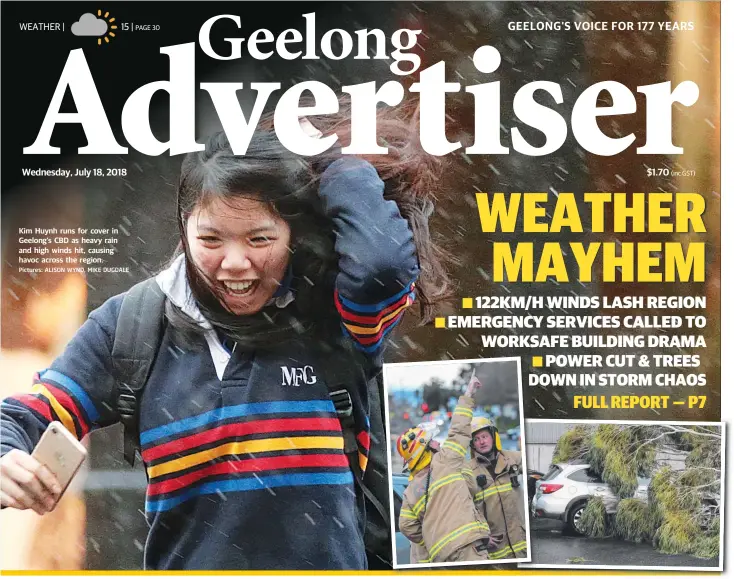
175,286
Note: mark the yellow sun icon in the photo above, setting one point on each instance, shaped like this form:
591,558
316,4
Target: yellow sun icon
110,27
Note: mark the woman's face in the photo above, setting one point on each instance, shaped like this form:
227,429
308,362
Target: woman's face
242,247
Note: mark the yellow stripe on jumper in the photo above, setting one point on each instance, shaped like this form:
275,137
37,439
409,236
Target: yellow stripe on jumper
60,411
246,446
362,461
361,331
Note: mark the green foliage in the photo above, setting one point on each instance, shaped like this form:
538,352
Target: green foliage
572,445
695,477
705,451
620,454
594,521
643,454
676,508
660,493
706,546
633,521
677,534
708,454
601,442
620,473
666,498
676,518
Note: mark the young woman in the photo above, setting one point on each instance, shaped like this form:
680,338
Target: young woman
288,268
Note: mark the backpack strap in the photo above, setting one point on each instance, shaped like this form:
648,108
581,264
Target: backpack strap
137,340
343,403
342,376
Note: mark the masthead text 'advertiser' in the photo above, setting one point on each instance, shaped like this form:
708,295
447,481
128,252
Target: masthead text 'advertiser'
431,89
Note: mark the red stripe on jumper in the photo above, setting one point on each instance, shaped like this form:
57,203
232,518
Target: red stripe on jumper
369,340
249,465
270,426
43,408
364,439
67,402
368,320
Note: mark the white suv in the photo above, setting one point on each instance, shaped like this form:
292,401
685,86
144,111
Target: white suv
566,488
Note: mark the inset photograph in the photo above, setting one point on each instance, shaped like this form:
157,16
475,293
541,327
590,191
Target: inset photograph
458,475
643,495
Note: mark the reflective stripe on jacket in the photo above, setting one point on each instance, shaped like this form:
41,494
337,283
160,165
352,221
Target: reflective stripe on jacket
502,504
438,505
418,553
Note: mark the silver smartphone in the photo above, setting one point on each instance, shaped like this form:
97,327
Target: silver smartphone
61,453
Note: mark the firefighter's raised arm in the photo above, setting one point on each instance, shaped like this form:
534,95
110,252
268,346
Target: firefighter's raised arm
455,447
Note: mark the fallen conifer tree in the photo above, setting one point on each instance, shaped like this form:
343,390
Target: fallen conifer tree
680,514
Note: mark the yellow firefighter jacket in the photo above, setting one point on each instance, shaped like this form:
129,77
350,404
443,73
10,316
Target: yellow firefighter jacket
501,504
418,553
438,509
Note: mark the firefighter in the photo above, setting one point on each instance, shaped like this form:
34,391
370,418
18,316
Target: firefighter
438,512
494,479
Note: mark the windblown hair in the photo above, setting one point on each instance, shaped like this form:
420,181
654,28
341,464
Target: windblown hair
288,183
412,179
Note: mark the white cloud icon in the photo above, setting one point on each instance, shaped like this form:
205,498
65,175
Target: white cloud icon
89,25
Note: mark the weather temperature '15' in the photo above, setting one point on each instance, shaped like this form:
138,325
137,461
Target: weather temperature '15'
139,27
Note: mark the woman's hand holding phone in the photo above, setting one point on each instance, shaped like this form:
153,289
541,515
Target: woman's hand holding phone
25,483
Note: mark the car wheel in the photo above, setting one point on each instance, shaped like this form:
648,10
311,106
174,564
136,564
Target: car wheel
574,517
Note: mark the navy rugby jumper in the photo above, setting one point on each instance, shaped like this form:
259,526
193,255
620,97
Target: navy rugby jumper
243,449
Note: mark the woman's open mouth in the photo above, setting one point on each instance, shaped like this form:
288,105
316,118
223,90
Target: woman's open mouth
240,288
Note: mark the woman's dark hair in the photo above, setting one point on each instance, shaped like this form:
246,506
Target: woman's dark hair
412,179
288,183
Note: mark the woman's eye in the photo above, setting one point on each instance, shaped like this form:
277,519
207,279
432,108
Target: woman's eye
261,239
208,239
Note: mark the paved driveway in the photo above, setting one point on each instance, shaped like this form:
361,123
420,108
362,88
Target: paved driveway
551,546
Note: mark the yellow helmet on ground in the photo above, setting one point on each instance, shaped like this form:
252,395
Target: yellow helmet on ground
482,422
412,446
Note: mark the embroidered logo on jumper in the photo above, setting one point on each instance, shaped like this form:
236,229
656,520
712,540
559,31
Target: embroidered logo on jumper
298,376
